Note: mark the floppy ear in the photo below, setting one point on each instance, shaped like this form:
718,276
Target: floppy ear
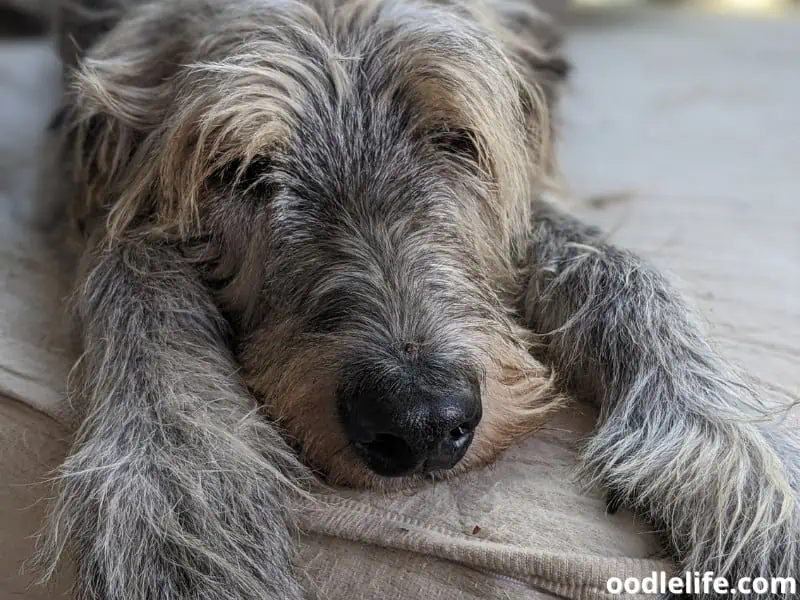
115,98
127,73
533,40
79,24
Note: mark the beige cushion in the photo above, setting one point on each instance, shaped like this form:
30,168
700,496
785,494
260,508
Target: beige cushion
31,446
666,145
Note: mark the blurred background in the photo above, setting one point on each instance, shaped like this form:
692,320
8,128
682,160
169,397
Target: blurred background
731,6
27,17
726,6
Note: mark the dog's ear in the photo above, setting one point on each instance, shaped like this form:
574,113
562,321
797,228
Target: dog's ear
533,41
115,97
79,24
126,76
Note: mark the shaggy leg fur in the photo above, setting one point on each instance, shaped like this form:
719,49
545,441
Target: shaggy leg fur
172,453
681,438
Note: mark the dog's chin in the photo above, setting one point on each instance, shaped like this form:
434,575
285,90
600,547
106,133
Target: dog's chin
349,469
364,478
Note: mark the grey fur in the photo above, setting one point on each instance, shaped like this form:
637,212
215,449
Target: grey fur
272,193
172,452
682,438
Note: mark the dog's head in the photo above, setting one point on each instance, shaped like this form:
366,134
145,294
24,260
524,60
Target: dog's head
352,180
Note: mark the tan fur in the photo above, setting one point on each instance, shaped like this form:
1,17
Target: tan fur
518,397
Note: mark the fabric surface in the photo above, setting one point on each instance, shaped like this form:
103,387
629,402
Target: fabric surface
680,139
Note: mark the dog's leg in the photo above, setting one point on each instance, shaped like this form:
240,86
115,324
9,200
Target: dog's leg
681,438
175,488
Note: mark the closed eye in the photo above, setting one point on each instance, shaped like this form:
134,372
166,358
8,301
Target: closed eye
253,177
459,143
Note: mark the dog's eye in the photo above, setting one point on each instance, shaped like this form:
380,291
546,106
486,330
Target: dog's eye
460,143
254,177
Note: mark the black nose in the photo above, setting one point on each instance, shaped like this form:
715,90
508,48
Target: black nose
412,426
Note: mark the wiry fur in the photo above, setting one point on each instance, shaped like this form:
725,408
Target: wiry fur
275,194
172,452
682,438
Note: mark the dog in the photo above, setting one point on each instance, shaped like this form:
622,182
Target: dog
317,237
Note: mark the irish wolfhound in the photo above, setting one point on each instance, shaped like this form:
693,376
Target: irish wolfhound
337,210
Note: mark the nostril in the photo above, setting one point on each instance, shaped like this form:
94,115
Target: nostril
461,431
461,436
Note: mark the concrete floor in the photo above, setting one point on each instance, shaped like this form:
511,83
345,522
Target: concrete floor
683,137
